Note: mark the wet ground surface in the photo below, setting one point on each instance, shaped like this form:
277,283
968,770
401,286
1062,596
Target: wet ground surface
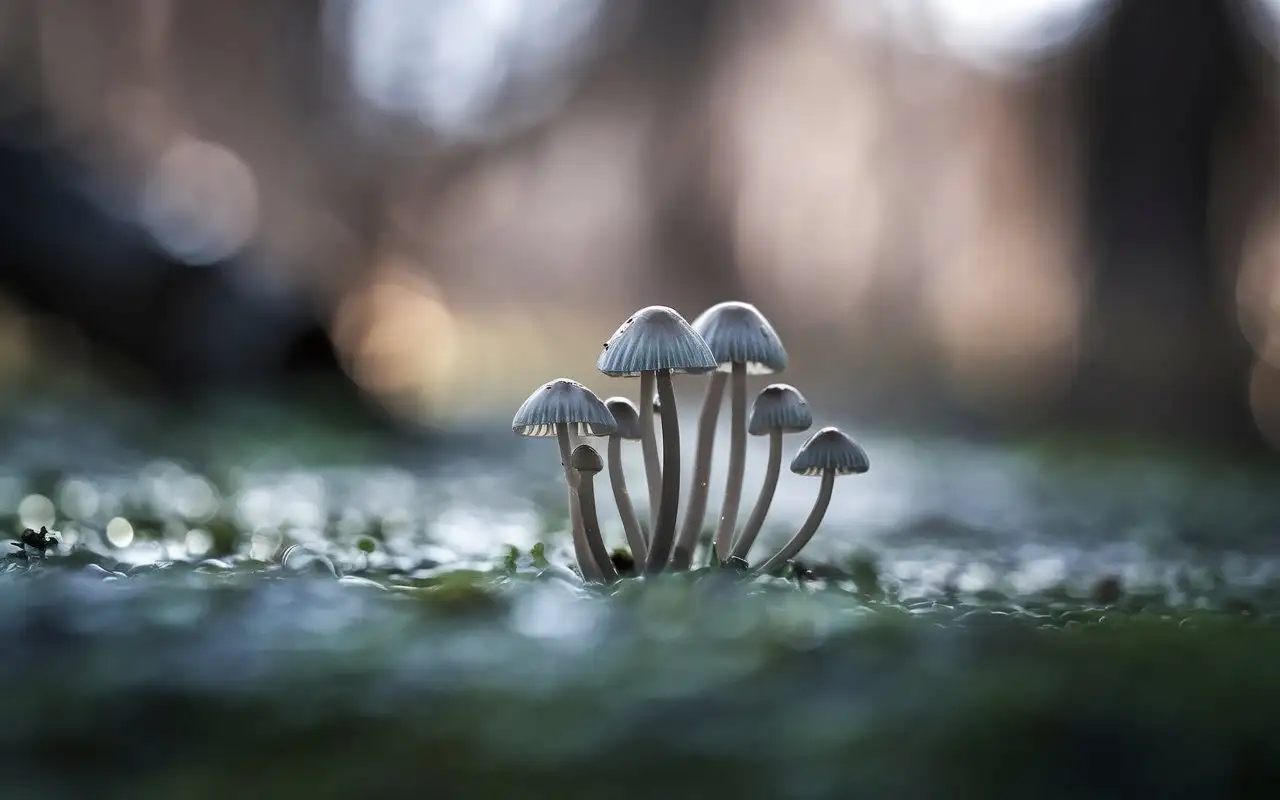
932,512
255,604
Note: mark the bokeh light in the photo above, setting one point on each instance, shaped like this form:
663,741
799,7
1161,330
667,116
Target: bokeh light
119,532
201,202
992,34
36,511
447,63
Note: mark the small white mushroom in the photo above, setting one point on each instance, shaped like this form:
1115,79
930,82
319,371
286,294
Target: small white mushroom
628,418
655,342
586,462
778,409
696,510
828,453
564,408
743,343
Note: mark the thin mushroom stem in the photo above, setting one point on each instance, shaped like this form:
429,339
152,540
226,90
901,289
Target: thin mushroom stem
810,526
591,526
752,529
664,530
697,509
590,571
630,523
649,444
737,461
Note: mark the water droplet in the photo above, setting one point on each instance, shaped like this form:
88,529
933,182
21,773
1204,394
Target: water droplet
301,559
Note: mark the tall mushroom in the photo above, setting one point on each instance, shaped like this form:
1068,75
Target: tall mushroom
562,408
586,462
696,511
829,453
778,409
628,419
744,343
655,342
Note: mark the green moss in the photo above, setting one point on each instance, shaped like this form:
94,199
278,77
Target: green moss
479,683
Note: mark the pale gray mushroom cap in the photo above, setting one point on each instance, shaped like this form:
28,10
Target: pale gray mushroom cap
739,333
585,459
830,449
779,407
653,339
626,415
563,401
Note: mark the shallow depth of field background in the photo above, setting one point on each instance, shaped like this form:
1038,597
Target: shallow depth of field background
991,215
275,274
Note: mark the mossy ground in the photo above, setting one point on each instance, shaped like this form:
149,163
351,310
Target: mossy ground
208,681
383,657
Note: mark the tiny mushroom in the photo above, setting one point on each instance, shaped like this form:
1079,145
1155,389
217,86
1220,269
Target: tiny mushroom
743,343
653,343
564,408
828,453
586,462
628,418
778,409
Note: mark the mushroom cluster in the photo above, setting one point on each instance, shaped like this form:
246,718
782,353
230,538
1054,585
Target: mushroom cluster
728,342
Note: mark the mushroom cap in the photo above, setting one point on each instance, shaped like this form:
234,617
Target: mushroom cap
652,339
585,459
830,449
738,333
779,407
626,415
563,401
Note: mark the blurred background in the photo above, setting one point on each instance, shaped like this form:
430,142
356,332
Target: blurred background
982,215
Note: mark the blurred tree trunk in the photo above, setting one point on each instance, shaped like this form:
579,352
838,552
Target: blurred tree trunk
1163,350
677,43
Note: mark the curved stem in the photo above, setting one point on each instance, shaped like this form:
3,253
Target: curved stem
586,564
752,529
591,527
810,526
696,512
664,531
737,461
630,523
649,443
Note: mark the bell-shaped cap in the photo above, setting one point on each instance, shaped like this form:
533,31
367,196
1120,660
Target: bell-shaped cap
739,333
563,401
779,407
585,459
830,450
653,339
626,415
